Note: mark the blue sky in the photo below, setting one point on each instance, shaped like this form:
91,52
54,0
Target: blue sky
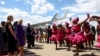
36,11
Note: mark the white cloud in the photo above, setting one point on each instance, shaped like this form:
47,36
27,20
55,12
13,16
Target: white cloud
0,16
81,1
39,1
0,19
84,6
42,7
28,2
2,2
70,14
39,6
27,18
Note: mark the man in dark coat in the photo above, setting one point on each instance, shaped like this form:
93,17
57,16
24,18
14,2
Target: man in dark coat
1,42
49,31
29,36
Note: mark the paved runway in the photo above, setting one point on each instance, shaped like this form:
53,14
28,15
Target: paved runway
43,49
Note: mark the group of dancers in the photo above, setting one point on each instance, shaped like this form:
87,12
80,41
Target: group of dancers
80,34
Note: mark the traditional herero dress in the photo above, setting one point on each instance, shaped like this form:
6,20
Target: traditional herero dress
88,33
68,34
79,36
98,39
54,35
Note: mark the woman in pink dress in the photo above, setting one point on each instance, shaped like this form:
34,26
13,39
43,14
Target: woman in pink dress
54,35
88,33
98,39
79,37
67,35
97,18
60,35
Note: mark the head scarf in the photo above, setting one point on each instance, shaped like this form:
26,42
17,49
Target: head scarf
75,20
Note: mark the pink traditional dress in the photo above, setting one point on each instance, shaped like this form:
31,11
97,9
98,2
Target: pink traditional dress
79,36
98,39
60,34
54,35
88,33
68,33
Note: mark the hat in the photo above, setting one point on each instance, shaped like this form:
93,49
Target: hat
54,25
75,20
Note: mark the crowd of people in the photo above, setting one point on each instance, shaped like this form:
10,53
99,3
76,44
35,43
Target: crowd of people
13,37
81,34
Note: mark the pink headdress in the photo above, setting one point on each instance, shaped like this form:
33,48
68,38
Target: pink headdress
54,25
75,20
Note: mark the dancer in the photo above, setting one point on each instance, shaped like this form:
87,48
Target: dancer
94,34
60,35
79,37
54,35
37,35
40,35
67,33
88,34
97,18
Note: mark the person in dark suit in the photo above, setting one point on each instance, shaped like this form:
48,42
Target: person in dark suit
4,35
94,33
33,37
49,31
29,36
1,42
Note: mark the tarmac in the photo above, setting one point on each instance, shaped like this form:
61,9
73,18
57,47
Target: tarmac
44,49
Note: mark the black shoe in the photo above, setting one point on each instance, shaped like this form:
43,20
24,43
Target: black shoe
33,46
76,54
29,47
56,49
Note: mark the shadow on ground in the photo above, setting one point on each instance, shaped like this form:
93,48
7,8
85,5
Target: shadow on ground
35,47
29,53
88,55
38,46
61,48
97,49
80,50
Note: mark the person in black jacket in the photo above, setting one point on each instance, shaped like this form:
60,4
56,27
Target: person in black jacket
1,42
4,35
33,37
12,39
29,36
94,33
49,31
